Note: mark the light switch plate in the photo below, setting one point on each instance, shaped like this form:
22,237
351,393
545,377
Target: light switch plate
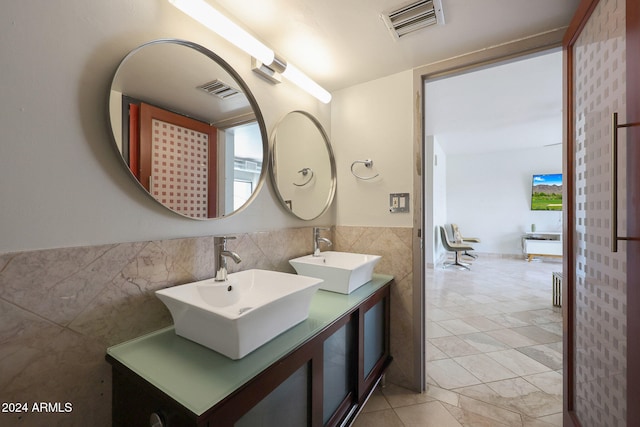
398,202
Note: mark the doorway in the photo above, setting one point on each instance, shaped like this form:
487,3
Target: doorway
493,337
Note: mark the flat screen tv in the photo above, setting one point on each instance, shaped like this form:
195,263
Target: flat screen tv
546,192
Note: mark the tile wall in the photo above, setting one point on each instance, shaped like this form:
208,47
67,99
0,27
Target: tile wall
395,246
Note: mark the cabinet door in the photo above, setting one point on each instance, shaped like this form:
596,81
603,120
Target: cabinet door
374,351
287,405
374,336
339,372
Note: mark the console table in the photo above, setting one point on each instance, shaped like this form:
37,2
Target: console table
542,243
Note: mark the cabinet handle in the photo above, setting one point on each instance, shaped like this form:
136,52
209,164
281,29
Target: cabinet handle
614,181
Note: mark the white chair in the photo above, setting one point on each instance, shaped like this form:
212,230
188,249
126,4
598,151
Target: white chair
456,248
459,238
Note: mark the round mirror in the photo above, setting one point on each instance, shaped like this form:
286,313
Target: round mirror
189,130
303,169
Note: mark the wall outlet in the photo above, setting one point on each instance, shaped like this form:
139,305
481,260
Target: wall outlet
398,202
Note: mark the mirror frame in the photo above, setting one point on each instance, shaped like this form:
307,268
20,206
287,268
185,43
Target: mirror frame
332,161
252,102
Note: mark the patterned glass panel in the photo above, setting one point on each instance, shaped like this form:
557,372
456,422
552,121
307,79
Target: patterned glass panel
179,168
601,303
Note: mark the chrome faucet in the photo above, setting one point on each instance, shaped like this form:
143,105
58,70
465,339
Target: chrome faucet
317,240
222,253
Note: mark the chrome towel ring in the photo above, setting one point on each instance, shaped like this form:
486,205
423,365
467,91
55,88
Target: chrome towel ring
305,172
368,163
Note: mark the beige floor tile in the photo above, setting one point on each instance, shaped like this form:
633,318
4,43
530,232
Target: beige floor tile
543,354
553,420
434,330
516,306
549,382
539,335
437,314
377,402
454,346
537,317
399,396
472,310
484,368
431,414
511,338
471,419
520,395
482,324
483,342
458,327
442,395
434,353
482,299
493,412
512,388
506,321
449,375
385,418
555,327
517,362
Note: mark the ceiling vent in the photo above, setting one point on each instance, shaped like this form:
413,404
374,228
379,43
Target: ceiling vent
220,89
413,17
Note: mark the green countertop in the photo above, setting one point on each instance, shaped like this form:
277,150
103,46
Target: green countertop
199,378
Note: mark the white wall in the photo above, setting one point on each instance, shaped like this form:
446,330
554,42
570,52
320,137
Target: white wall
373,120
439,197
61,183
489,196
435,195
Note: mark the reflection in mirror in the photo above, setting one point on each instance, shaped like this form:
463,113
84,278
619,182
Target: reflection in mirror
188,128
303,168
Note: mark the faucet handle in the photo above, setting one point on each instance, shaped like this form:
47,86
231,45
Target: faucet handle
321,229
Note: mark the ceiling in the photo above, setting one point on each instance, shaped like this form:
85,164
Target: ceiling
514,105
340,43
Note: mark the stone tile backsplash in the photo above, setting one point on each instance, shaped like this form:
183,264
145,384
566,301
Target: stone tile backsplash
394,244
61,308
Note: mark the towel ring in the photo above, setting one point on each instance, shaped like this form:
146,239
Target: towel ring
368,163
305,172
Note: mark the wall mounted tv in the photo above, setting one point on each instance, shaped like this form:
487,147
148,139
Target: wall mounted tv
546,192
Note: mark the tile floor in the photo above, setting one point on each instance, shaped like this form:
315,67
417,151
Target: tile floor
494,351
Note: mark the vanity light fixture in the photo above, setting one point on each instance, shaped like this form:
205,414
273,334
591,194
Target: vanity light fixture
205,14
264,60
293,74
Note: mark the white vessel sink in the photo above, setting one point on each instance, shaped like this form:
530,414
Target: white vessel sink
342,272
237,316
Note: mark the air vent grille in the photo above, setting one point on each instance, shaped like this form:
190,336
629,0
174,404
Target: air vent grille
220,89
413,17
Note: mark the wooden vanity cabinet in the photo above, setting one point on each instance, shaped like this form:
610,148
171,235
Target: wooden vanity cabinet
323,382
